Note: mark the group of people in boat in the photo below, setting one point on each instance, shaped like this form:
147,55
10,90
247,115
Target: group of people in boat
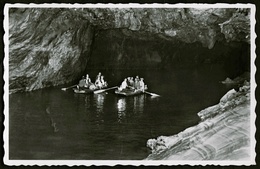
85,82
130,83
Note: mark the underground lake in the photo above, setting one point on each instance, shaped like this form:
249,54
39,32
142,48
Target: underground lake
54,124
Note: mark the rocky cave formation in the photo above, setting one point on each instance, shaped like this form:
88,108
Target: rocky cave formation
54,46
222,134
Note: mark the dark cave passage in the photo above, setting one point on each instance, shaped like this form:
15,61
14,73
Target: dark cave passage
116,49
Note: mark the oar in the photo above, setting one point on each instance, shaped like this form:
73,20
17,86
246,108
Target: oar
103,90
65,88
152,94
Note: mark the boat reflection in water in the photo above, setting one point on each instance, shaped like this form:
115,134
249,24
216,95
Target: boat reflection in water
99,100
139,104
87,102
121,107
130,106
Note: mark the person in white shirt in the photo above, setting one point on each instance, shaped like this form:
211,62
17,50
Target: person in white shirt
88,81
123,85
103,82
142,85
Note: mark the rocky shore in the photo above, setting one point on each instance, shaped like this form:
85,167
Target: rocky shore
222,134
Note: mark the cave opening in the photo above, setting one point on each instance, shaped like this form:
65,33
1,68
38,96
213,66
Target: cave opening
123,49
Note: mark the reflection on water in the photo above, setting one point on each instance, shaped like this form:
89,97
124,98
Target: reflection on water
52,121
87,102
99,103
121,107
139,104
126,106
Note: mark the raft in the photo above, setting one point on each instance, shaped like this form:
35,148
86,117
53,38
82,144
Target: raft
128,92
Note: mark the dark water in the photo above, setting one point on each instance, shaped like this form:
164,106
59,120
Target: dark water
54,124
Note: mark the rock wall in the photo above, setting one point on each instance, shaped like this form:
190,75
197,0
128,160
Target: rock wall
48,47
223,133
184,24
52,46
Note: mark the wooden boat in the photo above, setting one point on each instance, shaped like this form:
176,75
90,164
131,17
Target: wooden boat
83,91
128,92
89,90
92,90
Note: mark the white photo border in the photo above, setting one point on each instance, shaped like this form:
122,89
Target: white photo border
7,161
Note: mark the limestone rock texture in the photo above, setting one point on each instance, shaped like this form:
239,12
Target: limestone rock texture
52,46
48,47
222,134
184,24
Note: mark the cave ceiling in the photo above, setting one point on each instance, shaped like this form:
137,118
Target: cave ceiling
204,25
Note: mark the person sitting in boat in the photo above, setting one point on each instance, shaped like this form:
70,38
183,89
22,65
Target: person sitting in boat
128,81
98,81
142,85
137,83
123,85
88,81
103,82
98,78
82,83
132,82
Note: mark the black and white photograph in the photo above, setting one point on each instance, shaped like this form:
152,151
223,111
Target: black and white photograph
129,84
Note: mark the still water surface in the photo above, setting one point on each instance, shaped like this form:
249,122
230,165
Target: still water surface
54,124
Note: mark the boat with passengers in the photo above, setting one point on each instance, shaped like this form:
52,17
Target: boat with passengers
84,90
85,85
129,92
131,87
